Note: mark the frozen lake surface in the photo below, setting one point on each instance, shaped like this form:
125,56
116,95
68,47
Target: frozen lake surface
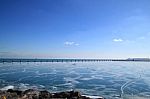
108,79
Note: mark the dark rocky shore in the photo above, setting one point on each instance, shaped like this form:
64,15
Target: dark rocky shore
34,94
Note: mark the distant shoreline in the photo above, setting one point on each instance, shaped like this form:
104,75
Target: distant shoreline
2,60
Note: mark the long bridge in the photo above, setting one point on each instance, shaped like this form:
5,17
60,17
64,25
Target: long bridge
71,60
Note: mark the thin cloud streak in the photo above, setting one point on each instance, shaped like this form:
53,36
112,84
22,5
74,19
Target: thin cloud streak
118,40
69,43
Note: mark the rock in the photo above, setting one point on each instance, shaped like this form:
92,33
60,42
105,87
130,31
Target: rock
44,94
28,91
15,92
76,94
34,94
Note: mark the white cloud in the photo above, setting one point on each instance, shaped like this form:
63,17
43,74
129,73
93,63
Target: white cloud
117,40
68,43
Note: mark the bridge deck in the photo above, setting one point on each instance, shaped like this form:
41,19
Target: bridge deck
65,60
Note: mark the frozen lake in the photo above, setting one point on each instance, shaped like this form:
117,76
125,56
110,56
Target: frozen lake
108,79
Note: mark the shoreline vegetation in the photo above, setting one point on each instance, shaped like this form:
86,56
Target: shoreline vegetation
36,94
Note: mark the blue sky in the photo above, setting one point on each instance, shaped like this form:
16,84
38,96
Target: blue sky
74,28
